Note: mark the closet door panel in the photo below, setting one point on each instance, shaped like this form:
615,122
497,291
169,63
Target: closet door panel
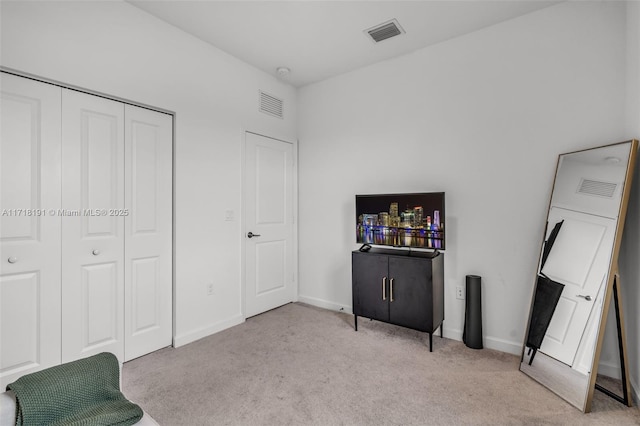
29,227
148,231
92,228
99,291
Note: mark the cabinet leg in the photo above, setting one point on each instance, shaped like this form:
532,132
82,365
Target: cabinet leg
430,342
441,331
355,321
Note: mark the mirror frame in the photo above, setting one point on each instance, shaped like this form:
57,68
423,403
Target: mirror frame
613,278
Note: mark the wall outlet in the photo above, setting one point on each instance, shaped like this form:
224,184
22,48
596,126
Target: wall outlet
209,289
460,292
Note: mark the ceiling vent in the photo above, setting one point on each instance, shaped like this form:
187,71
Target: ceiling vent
271,105
597,188
385,30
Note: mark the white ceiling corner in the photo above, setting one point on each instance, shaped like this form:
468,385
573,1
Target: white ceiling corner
321,39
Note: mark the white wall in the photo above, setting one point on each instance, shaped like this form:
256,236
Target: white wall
630,250
482,117
117,49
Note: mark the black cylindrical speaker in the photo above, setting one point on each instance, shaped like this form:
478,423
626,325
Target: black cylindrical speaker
472,333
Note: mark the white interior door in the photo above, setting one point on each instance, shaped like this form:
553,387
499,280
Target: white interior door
92,229
29,227
579,259
148,231
269,272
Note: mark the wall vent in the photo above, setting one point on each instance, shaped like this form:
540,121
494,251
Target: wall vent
271,105
597,188
385,30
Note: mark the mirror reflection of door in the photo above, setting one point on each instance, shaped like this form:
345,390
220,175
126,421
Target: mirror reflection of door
588,203
579,260
587,196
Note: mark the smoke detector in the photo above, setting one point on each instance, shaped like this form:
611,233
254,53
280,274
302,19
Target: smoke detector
385,31
283,72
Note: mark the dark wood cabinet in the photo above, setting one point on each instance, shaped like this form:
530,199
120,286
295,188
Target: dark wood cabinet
404,288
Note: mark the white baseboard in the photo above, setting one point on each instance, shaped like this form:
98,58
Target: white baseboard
192,336
452,333
325,304
635,390
609,370
489,342
503,345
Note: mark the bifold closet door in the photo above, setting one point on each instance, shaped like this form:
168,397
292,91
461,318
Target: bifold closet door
117,253
93,229
29,227
85,227
148,231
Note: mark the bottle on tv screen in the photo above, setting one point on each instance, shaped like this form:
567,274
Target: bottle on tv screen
401,220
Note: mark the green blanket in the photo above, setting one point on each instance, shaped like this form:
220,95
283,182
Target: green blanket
82,392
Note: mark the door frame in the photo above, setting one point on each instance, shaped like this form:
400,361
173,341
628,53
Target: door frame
173,115
243,224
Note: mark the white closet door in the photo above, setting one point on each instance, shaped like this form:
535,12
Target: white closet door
29,227
148,231
93,230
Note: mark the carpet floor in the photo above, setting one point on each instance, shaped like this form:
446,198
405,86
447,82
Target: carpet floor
301,365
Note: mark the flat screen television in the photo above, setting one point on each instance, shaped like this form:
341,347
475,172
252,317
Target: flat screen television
401,220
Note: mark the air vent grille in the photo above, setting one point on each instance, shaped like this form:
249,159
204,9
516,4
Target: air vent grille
597,188
385,31
271,105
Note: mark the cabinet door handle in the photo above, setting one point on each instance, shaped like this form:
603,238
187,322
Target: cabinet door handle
384,288
391,289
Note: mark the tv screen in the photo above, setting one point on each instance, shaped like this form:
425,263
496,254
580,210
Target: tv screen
401,220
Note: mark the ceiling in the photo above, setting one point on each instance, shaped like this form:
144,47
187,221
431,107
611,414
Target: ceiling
317,40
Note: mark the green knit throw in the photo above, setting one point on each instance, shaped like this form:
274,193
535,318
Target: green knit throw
83,392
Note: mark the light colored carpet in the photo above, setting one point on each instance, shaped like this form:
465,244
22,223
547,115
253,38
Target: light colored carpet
301,365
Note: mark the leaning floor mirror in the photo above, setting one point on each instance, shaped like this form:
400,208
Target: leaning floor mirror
577,275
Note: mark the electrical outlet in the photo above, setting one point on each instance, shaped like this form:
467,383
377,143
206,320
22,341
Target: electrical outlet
209,289
460,292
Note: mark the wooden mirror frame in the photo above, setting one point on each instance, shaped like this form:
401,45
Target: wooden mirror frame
553,373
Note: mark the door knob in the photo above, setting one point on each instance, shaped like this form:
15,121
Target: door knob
12,259
95,252
251,235
587,297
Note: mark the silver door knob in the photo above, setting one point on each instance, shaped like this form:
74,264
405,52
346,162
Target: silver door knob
95,252
12,259
251,235
587,297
